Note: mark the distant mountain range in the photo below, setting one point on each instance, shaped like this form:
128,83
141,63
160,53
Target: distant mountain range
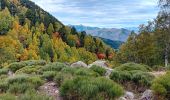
107,33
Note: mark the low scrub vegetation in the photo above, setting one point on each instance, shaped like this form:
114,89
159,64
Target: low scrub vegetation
18,65
85,88
101,71
134,75
20,83
133,66
161,87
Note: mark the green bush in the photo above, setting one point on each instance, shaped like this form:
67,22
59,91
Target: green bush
7,97
53,67
142,78
61,77
69,70
29,70
133,66
79,71
35,62
22,83
49,75
85,72
19,87
18,78
121,76
161,86
3,86
33,95
138,77
36,81
157,67
99,70
3,71
16,65
86,88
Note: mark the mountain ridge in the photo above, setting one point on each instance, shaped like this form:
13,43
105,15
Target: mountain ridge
107,33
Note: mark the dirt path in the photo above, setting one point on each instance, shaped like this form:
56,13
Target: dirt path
158,73
50,89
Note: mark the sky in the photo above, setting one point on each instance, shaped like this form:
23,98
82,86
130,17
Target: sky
101,13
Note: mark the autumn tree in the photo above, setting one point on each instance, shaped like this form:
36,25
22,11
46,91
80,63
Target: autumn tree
50,30
6,21
164,25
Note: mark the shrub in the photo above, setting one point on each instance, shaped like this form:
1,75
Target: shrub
85,88
121,76
3,71
61,77
69,70
18,78
19,87
54,67
137,77
85,72
49,75
29,70
142,78
133,66
35,62
158,67
99,70
22,83
161,86
33,95
7,97
79,71
16,65
3,86
36,81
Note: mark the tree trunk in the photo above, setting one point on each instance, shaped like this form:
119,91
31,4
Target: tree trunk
166,55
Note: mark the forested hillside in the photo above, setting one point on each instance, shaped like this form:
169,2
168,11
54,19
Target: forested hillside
29,33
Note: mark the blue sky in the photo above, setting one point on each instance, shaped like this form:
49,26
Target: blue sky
101,13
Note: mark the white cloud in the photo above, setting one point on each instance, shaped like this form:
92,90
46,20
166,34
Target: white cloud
105,13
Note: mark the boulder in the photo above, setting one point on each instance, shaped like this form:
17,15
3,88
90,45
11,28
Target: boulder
147,95
79,64
99,63
128,96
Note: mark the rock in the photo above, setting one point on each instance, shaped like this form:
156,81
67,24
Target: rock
147,95
79,64
108,72
10,73
122,98
128,96
100,63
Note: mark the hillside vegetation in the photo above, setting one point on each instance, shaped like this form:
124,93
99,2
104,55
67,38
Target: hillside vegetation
27,32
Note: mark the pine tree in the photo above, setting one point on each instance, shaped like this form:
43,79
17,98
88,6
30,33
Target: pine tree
50,30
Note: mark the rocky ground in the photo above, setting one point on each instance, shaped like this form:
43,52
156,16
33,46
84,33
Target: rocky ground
51,89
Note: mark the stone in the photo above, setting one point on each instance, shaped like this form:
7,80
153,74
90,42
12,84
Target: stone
99,63
122,98
79,64
147,95
108,72
129,95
